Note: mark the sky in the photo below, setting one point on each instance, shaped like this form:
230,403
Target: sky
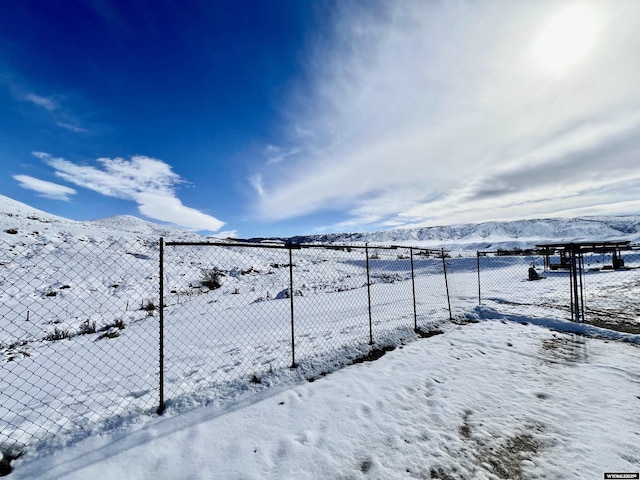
277,118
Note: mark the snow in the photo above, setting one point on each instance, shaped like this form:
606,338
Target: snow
493,235
512,390
495,399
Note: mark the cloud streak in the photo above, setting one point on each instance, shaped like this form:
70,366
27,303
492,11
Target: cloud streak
439,112
149,182
44,102
59,114
72,127
44,188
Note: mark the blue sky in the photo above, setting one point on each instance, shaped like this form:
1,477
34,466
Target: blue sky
277,118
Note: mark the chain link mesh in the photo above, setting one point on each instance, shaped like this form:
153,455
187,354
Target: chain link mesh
79,327
78,340
330,300
227,314
610,296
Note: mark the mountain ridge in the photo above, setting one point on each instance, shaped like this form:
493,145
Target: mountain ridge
509,234
15,215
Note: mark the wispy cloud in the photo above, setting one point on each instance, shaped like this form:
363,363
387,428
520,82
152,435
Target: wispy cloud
256,183
149,182
44,102
44,188
277,154
58,112
440,112
72,127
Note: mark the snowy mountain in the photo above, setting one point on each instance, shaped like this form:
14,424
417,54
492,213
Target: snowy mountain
19,218
519,233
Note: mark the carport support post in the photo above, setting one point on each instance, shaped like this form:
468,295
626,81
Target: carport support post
446,283
575,272
571,291
161,326
366,252
413,288
478,262
581,266
293,337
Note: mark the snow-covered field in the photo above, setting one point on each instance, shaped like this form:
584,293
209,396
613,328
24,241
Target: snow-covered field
79,376
496,399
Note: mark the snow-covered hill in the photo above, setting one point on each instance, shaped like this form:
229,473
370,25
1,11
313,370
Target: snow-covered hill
519,233
17,218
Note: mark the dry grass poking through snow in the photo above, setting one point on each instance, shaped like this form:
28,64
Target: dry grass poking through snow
504,459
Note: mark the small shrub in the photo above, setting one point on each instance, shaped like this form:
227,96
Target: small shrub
118,324
11,231
148,307
212,278
87,327
57,334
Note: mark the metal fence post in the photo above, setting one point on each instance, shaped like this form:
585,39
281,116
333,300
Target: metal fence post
446,283
366,251
161,326
413,288
291,295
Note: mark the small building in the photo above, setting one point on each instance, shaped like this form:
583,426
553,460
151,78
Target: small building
562,251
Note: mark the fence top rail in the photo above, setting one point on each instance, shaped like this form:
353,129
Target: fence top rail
298,246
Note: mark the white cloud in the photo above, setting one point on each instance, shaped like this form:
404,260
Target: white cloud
256,183
165,207
73,128
45,189
147,181
59,114
278,155
433,112
226,234
44,102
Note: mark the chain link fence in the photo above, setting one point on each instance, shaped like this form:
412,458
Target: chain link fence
85,344
93,332
78,340
243,310
608,291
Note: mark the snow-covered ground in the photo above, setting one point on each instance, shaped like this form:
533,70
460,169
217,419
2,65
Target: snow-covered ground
79,338
496,399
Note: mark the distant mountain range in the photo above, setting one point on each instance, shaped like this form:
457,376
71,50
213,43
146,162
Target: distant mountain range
487,235
18,216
